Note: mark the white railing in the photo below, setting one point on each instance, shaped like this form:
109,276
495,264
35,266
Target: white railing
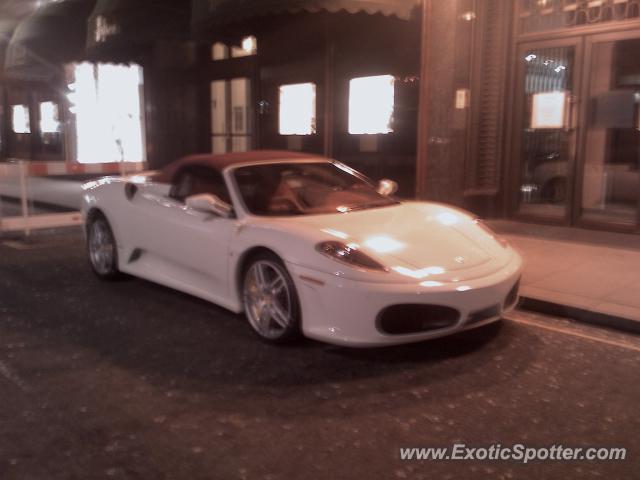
15,181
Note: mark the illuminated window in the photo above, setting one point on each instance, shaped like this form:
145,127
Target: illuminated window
371,101
219,51
106,100
298,109
248,47
20,119
49,122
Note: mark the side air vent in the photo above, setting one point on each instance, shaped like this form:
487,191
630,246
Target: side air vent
130,190
135,255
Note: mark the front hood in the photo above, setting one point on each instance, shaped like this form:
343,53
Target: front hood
415,240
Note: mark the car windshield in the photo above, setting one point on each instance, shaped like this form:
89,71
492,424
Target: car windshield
306,188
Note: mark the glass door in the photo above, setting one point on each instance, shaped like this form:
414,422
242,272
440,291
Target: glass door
610,176
545,135
231,116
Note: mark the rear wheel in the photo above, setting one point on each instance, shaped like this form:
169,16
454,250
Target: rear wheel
270,300
102,248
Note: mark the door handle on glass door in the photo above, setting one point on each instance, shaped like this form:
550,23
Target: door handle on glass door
571,113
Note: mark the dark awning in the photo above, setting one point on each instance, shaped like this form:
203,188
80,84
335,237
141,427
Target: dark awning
6,30
47,39
118,28
210,14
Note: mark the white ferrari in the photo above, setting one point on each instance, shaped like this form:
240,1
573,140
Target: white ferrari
302,245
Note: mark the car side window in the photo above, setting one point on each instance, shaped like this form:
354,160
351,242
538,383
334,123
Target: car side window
195,180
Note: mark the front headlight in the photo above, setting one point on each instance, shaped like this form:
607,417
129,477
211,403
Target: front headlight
348,254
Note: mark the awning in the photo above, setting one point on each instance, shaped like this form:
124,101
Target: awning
47,39
210,14
6,30
118,28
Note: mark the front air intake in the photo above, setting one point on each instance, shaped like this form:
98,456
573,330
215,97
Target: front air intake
416,318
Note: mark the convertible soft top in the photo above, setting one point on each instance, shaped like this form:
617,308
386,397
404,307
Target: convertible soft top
220,162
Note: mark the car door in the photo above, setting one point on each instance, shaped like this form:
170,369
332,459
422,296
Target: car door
188,248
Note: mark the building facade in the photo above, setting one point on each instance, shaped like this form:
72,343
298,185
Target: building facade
574,134
524,109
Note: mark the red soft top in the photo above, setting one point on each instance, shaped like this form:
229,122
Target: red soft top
220,162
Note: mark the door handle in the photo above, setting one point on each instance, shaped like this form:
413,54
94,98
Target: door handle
571,113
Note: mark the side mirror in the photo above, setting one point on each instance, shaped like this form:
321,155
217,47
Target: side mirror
387,187
209,203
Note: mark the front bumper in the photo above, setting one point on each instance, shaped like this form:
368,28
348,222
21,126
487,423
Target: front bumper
345,312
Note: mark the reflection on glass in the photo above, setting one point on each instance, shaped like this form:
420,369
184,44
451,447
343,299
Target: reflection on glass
546,139
611,180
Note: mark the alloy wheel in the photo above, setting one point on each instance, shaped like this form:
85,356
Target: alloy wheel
268,300
102,248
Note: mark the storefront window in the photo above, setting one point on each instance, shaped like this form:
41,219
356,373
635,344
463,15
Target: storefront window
611,179
20,119
297,109
541,15
106,102
547,140
371,104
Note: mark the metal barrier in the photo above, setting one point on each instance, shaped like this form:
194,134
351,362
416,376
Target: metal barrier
15,177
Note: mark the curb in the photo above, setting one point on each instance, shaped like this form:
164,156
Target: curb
579,314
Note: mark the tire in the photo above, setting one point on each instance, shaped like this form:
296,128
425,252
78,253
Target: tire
102,249
270,299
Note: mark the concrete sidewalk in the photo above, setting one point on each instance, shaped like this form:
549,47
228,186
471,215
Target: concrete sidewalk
588,275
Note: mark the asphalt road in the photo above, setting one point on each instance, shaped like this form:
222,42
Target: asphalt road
11,207
130,380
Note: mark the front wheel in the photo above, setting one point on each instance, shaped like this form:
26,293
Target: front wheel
270,299
102,249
